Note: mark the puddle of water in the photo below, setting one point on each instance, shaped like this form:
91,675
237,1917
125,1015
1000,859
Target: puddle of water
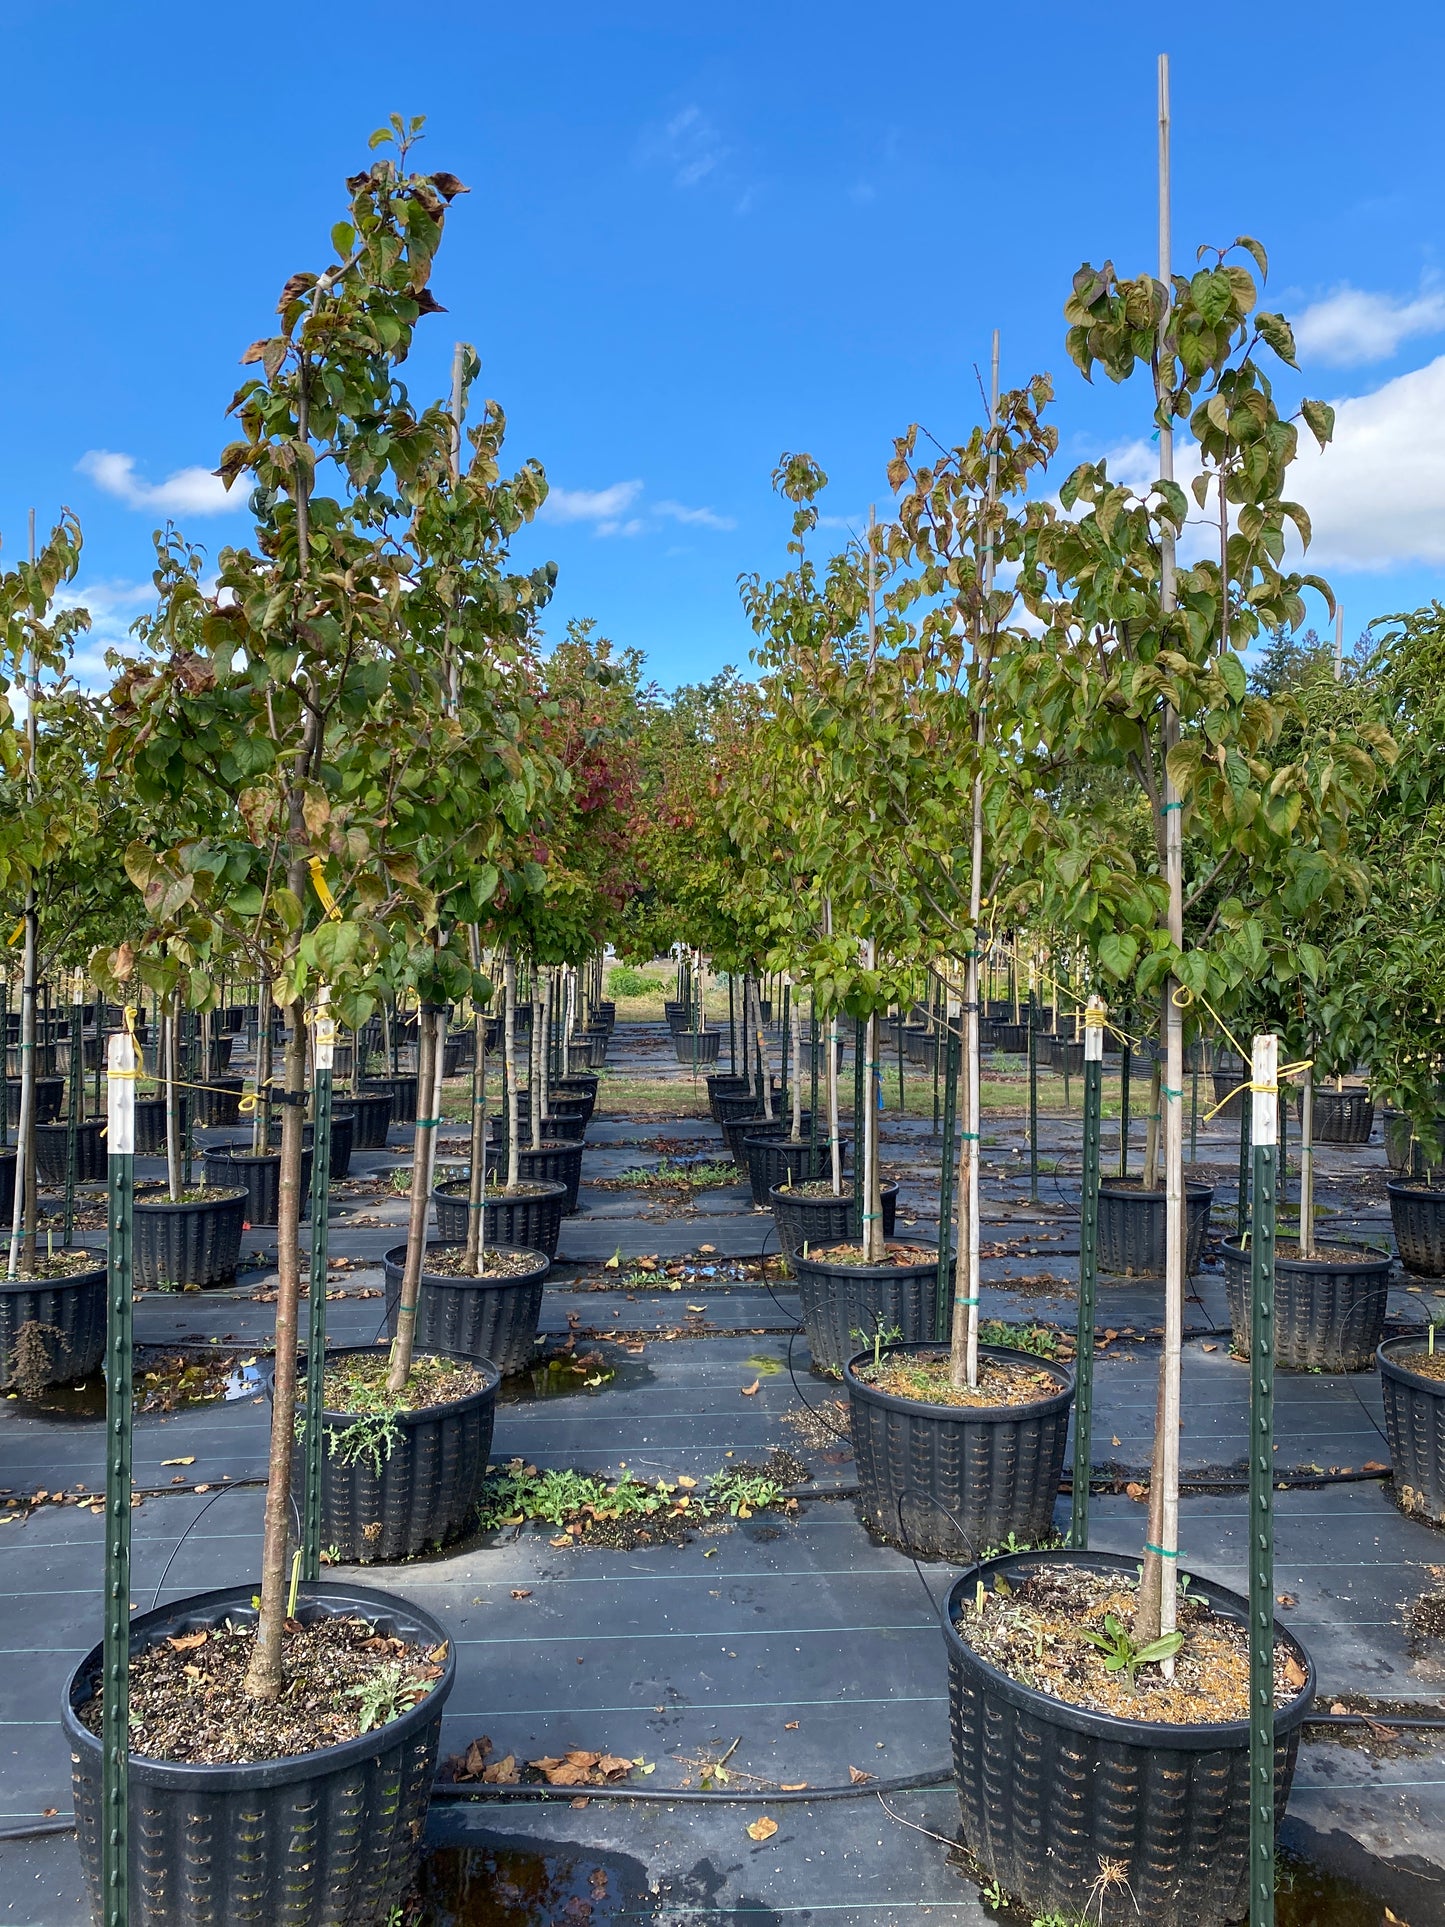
513,1884
1305,1896
83,1400
559,1378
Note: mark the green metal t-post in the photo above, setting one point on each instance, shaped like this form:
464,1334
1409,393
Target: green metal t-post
1033,1099
1261,1486
1088,1274
323,1038
122,1067
859,1079
954,1050
74,1106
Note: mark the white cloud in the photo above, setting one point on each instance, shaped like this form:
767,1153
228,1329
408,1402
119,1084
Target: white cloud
1352,326
590,504
189,491
703,518
691,146
1375,496
611,510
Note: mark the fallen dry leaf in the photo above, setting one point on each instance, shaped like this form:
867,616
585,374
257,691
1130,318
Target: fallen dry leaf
1339,1707
1374,1465
1209,1348
790,1726
706,1251
857,1777
763,1829
187,1642
685,1482
1285,1599
521,1592
190,1461
796,1786
1136,1491
1294,1674
1116,1441
749,1391
503,1772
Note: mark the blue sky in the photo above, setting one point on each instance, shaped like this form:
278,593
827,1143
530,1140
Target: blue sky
689,247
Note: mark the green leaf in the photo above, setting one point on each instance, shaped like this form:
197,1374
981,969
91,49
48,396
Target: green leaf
1276,333
1232,675
1253,247
1158,1649
1319,418
1117,953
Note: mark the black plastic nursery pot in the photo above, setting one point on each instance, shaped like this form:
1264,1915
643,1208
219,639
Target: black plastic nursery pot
1415,1426
582,1084
564,1127
492,1316
839,1299
150,1127
309,1840
954,1480
1329,1313
805,1222
571,1104
1050,1793
737,1130
198,1243
787,1160
426,1492
697,1046
8,1160
919,1044
551,1163
1132,1227
50,1152
1417,1213
258,1174
370,1120
730,1105
530,1222
49,1096
342,1141
401,1090
1230,1090
1341,1117
1012,1039
70,1315
219,1105
724,1084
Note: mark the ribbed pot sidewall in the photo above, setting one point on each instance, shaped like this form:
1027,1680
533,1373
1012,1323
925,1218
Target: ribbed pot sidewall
822,1221
50,1152
1417,1217
260,1179
75,1307
1341,1117
428,1488
1327,1319
403,1096
839,1299
529,1224
188,1244
1132,1230
370,1120
1045,1797
472,1317
49,1095
1227,1094
7,1185
150,1127
1415,1427
775,1161
954,1482
322,1839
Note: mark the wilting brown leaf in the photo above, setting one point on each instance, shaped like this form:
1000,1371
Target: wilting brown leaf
1136,1491
521,1592
1294,1674
791,1726
796,1786
750,1391
613,1767
503,1772
763,1828
187,1642
1285,1599
685,1482
857,1777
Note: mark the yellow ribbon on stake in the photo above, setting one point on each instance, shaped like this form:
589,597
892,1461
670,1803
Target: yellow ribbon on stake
323,888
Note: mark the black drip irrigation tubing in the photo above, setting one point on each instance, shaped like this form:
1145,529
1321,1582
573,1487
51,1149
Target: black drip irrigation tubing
450,1791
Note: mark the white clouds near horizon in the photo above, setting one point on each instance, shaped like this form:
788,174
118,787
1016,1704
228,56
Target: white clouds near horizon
1351,325
189,491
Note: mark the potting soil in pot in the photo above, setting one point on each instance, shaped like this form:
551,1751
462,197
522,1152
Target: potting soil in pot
926,1378
1037,1632
340,1678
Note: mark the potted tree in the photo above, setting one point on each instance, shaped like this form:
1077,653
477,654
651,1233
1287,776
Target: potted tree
52,1303
1138,668
341,753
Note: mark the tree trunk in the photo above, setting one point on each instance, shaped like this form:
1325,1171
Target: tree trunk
538,1052
430,1032
795,1026
263,1675
765,1069
171,1024
261,1118
477,1169
835,1157
1151,1135
1306,1167
509,1056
